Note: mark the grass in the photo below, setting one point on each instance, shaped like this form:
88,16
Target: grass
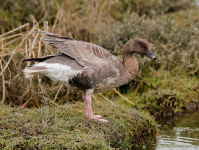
175,47
183,17
90,13
164,93
163,87
168,85
66,127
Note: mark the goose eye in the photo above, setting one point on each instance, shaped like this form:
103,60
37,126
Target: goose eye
142,45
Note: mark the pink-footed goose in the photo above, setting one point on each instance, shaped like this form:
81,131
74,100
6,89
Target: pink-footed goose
88,67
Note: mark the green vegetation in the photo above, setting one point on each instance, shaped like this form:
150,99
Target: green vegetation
163,87
67,127
165,93
14,13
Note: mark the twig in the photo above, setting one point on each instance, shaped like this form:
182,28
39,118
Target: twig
197,67
16,75
105,98
27,24
123,97
3,39
16,49
4,90
33,44
56,20
51,101
8,43
23,106
57,93
95,98
138,86
34,20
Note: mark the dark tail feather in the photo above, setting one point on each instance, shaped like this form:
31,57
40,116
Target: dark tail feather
43,58
37,59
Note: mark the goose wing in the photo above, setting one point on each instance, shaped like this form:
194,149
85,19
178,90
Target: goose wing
86,54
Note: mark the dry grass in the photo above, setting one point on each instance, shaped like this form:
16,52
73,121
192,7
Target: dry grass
16,46
24,42
16,12
175,48
97,21
76,19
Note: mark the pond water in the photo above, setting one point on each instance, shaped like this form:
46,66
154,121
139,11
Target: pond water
178,133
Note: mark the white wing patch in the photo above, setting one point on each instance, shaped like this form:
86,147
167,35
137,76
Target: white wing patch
55,71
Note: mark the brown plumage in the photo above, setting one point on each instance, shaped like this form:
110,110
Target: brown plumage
88,67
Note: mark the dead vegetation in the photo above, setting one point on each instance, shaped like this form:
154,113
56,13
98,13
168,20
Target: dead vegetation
14,13
164,87
175,47
24,42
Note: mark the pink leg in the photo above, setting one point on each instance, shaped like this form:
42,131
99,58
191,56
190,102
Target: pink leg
88,108
87,104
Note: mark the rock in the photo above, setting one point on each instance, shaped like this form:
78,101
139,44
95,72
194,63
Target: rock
190,107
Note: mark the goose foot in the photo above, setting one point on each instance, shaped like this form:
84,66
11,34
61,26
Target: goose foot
102,120
98,118
88,108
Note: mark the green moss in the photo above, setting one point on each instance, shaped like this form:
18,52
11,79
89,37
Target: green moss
51,127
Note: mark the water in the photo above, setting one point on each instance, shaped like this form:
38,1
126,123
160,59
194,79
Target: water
178,133
197,2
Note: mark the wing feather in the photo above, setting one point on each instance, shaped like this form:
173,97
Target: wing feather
86,54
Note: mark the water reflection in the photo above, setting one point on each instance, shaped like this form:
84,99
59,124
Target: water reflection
178,133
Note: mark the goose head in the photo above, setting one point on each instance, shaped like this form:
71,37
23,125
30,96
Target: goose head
139,46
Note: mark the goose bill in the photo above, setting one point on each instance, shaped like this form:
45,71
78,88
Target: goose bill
150,55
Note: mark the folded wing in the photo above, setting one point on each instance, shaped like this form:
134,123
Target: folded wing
86,54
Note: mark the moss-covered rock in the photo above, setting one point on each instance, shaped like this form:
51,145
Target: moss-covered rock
67,127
